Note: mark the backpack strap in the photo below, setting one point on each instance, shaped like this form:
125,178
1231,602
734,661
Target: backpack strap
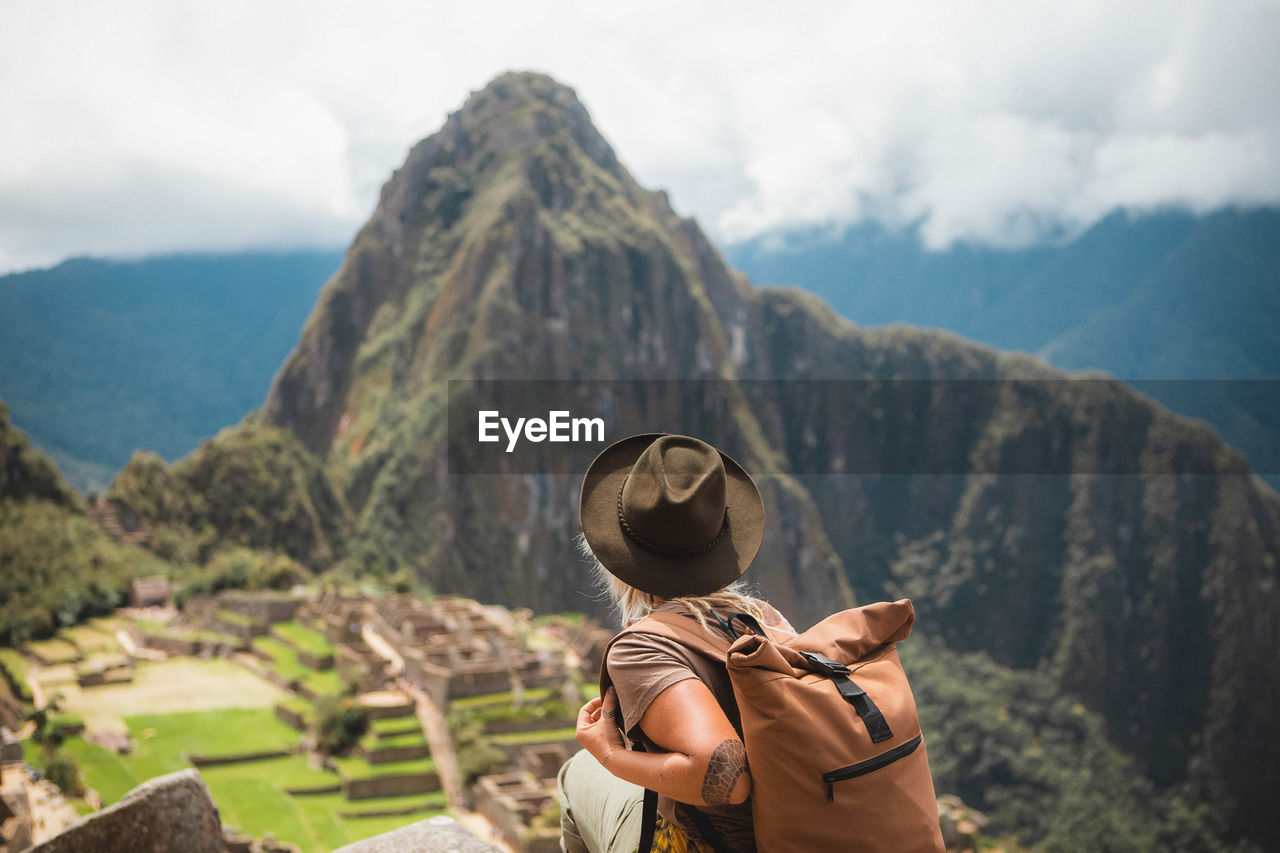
677,627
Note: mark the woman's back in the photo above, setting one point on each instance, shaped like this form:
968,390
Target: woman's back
642,666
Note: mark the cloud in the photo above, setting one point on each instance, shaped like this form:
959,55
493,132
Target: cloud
152,125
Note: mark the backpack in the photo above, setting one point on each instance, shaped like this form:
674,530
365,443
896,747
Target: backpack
837,758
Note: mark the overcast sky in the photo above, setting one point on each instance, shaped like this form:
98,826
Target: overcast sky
140,126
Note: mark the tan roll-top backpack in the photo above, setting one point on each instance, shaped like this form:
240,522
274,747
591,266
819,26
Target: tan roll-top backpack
837,758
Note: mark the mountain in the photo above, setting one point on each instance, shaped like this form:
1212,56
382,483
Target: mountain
1065,534
56,566
99,358
1191,302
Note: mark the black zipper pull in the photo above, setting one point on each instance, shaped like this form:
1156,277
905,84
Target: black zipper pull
831,792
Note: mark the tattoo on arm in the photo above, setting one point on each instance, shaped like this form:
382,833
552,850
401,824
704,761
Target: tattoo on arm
728,762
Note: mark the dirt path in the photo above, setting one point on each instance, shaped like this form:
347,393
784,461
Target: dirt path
382,648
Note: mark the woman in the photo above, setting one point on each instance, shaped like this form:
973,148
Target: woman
672,524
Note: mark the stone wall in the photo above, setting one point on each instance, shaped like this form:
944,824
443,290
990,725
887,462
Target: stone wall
390,786
396,753
290,718
510,801
263,608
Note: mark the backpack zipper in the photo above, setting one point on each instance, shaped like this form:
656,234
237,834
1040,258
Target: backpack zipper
862,768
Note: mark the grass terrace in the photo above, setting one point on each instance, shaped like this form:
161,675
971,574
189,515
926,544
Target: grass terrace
539,736
304,639
392,726
354,767
284,661
253,796
301,707
55,650
373,740
233,618
90,640
16,666
496,700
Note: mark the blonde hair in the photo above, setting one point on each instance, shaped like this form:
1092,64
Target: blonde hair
633,604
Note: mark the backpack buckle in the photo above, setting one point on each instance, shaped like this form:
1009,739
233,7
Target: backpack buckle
825,664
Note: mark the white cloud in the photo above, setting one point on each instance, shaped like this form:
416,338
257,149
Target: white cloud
151,125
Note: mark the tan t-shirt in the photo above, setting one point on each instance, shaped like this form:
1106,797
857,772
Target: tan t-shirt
641,667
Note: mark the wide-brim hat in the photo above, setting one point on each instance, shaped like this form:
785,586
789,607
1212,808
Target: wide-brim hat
671,515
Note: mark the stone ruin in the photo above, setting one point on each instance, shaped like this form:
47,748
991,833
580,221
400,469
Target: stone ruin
512,802
454,647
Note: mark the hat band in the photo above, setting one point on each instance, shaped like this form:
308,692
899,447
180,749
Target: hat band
662,550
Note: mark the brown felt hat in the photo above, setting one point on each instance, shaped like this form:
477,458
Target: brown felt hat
671,515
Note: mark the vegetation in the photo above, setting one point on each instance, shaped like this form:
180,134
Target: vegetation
252,485
339,725
62,771
13,668
242,568
477,753
159,353
1039,763
26,473
1105,614
61,569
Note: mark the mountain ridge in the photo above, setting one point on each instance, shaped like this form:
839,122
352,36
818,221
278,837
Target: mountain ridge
504,250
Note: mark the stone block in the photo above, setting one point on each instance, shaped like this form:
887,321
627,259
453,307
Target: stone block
172,812
437,834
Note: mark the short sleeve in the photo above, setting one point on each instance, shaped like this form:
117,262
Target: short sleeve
641,667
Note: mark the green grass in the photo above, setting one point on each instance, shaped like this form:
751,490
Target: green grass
363,808
234,618
285,772
256,803
389,726
326,682
284,660
353,767
161,740
16,665
90,639
540,736
103,770
531,696
108,624
55,650
65,721
303,638
301,707
251,796
372,741
150,626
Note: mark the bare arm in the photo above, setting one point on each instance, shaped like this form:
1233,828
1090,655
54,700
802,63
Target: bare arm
705,762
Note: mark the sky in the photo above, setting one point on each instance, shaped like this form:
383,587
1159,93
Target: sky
145,126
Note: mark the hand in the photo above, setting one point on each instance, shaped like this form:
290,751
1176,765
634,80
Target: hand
598,727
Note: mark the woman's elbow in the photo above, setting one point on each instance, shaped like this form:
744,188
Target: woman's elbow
727,779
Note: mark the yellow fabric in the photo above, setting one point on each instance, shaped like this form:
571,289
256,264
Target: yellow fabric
670,838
